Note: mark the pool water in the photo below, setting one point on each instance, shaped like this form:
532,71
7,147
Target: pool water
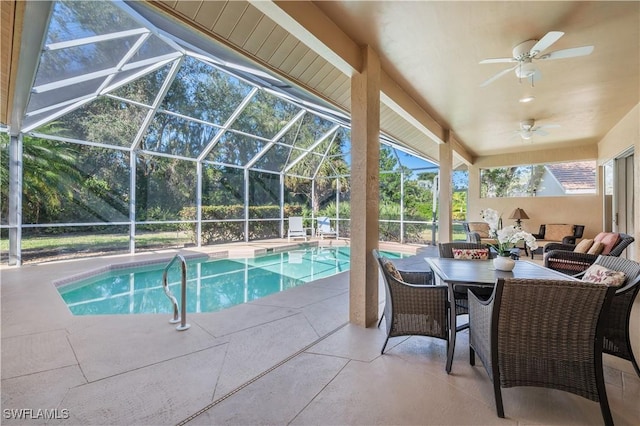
212,285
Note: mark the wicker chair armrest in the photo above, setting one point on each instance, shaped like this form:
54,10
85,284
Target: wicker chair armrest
558,246
412,299
538,236
568,262
480,318
569,239
570,256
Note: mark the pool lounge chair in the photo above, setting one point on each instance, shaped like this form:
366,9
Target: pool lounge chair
296,229
325,229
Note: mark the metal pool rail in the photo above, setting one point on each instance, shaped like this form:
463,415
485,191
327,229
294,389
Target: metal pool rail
182,317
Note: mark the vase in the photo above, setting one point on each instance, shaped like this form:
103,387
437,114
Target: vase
504,263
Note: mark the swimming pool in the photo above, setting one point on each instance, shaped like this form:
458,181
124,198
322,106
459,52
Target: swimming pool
212,285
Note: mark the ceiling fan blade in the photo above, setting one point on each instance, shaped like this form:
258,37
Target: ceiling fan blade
498,60
497,76
540,132
568,53
546,41
549,126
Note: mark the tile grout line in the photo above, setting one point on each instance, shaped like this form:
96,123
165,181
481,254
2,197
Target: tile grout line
259,376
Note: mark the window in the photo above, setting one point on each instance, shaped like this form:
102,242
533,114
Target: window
547,180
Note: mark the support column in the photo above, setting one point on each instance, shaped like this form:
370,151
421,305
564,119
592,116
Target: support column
365,157
445,194
15,200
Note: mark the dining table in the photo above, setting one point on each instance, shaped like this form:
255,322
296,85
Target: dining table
481,272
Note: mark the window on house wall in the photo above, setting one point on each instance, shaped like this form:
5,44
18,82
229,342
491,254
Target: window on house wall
539,180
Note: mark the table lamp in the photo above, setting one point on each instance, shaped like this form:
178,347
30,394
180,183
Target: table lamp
518,214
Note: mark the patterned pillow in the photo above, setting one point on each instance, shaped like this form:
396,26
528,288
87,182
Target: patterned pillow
583,246
602,275
479,254
390,268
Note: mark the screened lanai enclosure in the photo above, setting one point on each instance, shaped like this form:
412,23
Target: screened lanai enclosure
137,134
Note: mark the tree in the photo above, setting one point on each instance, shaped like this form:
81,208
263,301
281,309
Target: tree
47,174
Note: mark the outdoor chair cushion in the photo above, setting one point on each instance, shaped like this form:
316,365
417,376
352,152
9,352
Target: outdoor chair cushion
480,254
481,228
600,274
556,232
583,246
609,239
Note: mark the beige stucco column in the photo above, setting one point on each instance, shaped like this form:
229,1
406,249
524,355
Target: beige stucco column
444,195
365,154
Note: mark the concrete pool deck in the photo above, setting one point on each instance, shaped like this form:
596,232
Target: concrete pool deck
289,358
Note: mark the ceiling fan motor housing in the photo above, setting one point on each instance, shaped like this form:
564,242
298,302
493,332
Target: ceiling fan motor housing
527,125
524,55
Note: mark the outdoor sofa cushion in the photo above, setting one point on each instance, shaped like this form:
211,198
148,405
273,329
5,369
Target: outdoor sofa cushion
596,248
583,246
556,232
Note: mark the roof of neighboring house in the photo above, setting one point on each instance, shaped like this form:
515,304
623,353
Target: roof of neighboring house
574,176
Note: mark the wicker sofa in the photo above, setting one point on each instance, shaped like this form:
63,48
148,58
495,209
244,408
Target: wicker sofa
565,258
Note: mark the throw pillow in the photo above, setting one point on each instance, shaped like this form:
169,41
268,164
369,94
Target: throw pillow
609,239
391,269
583,246
596,248
475,254
602,275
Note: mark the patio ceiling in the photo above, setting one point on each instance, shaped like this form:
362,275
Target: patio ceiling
429,53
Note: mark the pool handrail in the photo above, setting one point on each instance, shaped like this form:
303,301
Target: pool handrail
182,317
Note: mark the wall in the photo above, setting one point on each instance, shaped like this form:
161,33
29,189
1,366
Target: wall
577,209
624,135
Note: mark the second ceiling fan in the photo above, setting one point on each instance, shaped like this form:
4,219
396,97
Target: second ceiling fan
529,51
528,128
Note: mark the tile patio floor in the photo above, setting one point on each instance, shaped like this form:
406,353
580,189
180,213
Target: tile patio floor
290,358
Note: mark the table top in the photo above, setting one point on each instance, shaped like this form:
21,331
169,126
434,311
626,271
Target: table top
482,271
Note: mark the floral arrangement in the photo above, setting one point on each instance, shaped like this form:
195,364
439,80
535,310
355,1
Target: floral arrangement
507,237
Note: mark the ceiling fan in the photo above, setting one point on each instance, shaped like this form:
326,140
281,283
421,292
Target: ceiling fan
528,129
529,51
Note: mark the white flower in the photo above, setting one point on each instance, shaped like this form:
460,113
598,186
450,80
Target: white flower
492,217
508,236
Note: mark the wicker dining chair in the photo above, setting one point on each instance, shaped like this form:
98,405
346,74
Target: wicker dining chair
410,309
460,290
617,341
542,333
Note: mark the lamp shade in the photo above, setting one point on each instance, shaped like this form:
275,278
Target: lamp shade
518,214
